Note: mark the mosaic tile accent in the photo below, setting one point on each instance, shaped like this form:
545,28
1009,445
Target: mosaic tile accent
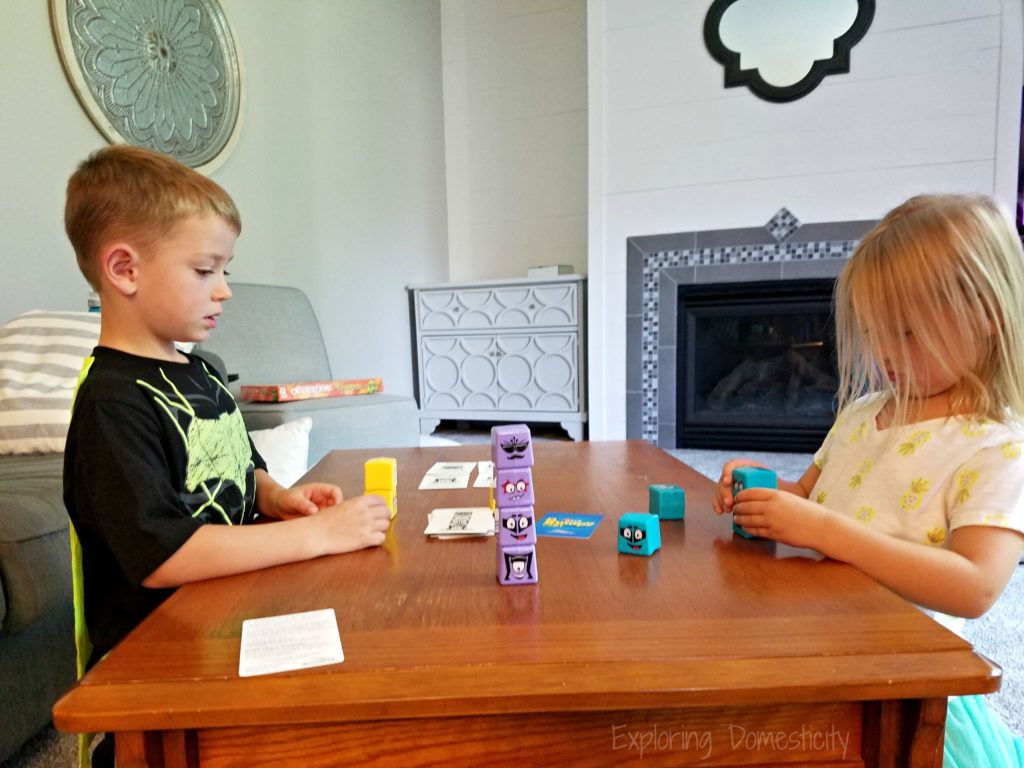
655,262
782,225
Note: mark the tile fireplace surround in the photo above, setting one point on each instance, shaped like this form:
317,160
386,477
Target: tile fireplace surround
656,265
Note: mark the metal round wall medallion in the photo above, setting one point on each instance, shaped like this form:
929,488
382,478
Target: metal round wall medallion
163,74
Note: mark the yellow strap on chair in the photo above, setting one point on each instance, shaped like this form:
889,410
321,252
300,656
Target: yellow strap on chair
83,646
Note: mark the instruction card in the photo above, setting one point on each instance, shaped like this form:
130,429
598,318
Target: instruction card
484,475
292,641
460,522
447,474
568,525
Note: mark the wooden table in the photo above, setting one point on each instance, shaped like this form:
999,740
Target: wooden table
716,651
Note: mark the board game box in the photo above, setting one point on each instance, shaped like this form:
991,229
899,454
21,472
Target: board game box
307,390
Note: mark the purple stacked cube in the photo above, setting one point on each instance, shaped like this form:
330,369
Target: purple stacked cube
512,453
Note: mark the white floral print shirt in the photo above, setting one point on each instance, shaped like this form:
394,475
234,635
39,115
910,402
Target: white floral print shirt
921,481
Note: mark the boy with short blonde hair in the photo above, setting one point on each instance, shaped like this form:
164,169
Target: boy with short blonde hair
160,475
131,192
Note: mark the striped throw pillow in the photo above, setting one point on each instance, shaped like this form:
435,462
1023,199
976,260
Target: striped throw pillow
41,354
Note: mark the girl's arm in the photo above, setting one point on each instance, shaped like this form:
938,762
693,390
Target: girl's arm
963,580
803,486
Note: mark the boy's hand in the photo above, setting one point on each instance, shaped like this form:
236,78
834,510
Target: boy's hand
354,524
723,491
305,499
782,516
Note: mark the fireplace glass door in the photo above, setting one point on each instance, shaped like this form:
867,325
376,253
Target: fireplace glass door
756,365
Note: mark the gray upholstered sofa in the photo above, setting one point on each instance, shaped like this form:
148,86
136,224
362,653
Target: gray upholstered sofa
37,647
40,357
269,334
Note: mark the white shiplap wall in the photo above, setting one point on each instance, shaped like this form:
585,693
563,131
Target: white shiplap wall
932,102
515,115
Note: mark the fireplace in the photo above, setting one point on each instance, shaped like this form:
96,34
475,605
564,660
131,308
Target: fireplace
783,264
756,365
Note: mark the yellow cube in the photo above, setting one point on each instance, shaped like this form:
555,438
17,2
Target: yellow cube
381,473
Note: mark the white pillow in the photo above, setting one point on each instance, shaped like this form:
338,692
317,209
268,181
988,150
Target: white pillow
41,354
285,448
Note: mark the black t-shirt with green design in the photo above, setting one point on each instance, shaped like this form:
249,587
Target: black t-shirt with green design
154,451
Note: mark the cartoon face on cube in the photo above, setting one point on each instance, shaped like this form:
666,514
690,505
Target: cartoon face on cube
514,487
751,477
515,527
517,565
639,534
511,446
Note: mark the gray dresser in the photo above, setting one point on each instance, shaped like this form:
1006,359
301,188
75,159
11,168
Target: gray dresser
501,350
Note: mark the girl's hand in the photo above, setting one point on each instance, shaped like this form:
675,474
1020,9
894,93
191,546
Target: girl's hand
305,499
723,492
781,516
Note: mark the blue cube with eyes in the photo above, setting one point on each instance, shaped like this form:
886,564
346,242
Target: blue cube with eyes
515,527
514,487
751,477
639,534
511,446
668,502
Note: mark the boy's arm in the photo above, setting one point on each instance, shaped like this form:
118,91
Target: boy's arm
222,550
267,491
276,501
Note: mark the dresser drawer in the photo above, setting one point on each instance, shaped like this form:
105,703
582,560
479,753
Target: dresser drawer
501,373
505,307
501,350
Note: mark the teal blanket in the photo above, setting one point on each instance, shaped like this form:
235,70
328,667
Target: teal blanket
977,738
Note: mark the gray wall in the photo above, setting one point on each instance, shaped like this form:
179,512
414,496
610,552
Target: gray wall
338,171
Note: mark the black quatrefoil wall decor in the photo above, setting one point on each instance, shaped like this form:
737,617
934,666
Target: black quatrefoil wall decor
796,53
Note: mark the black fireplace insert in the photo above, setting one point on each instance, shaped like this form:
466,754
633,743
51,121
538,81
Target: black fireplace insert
756,365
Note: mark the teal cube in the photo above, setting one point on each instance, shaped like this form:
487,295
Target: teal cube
639,534
668,502
751,477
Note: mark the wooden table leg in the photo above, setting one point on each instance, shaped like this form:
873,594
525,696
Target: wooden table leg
904,733
130,750
156,749
929,735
